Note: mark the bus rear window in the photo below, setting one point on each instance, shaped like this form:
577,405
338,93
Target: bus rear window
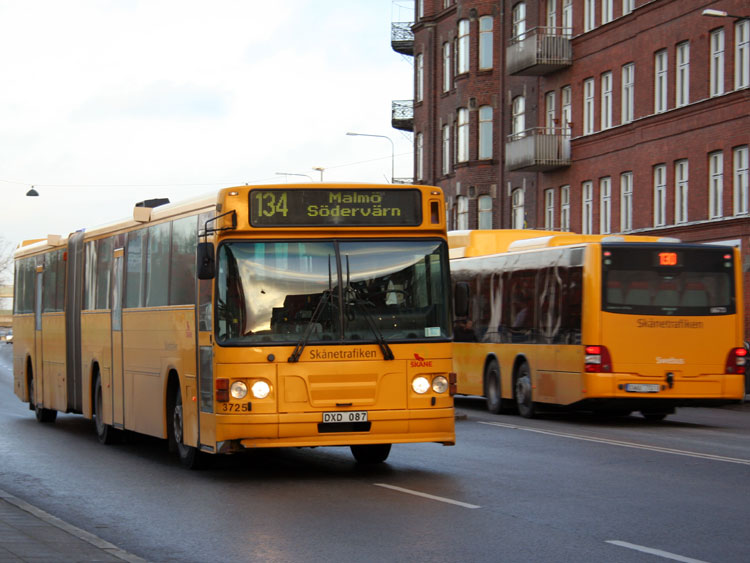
647,279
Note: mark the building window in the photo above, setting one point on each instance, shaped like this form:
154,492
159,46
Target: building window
567,111
552,17
419,87
420,156
549,112
717,62
627,6
605,205
588,106
660,81
606,118
628,92
517,211
463,46
420,9
485,42
716,184
519,21
485,132
567,18
626,201
742,54
681,191
607,11
589,15
447,149
462,154
549,209
446,66
587,207
462,213
565,208
660,195
682,75
484,212
518,116
741,181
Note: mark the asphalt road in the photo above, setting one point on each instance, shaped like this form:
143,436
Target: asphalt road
560,488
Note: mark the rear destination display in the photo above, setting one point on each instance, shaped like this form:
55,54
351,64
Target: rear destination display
335,207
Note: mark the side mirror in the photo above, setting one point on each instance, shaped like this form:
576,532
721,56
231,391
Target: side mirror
461,299
206,261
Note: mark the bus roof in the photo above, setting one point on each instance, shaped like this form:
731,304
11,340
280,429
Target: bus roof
466,244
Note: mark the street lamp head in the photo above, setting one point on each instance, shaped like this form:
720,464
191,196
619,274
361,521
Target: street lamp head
714,13
32,192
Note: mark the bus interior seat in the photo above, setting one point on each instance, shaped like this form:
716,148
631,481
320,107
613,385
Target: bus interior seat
667,295
638,294
695,295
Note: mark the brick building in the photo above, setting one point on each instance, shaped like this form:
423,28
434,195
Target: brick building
595,116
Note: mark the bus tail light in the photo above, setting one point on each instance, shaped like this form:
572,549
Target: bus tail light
736,361
222,390
598,360
452,388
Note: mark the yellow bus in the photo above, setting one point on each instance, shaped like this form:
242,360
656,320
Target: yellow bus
262,316
602,323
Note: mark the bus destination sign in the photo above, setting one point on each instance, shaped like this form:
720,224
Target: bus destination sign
335,207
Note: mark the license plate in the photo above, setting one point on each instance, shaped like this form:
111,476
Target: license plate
344,417
642,387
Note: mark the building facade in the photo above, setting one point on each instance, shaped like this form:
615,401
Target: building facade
593,116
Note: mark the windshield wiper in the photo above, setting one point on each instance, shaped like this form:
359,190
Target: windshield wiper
313,319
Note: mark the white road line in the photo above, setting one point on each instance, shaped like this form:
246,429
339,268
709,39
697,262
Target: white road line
657,552
622,444
425,495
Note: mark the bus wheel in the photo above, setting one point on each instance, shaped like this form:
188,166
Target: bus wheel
523,393
374,453
492,388
104,432
189,456
42,414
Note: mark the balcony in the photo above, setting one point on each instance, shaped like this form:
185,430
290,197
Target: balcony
402,38
402,115
540,149
539,51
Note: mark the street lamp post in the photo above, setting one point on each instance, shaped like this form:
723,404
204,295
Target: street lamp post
721,14
393,148
319,169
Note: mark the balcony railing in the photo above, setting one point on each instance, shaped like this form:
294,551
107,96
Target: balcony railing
402,115
539,51
539,149
402,38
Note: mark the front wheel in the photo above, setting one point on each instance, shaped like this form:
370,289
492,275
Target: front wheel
523,392
371,453
190,457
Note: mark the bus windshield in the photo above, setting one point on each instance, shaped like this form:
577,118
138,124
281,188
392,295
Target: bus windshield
663,280
335,291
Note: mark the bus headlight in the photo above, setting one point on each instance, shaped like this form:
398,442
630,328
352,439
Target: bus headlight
238,390
420,385
261,389
440,384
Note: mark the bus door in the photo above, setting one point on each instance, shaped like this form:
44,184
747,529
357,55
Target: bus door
38,359
118,384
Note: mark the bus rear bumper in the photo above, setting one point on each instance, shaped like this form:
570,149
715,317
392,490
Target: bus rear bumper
687,389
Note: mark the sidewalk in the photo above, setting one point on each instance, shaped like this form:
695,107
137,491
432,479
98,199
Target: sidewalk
30,534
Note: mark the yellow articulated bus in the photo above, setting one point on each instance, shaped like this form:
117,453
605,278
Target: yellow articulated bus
263,316
604,323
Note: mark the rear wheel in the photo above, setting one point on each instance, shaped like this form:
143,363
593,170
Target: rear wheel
523,392
106,433
190,457
492,389
371,453
42,414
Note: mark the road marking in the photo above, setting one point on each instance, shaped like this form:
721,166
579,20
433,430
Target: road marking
622,444
425,495
658,552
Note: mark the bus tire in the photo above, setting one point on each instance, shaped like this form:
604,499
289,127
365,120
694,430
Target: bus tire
42,414
523,392
190,457
371,453
105,433
492,388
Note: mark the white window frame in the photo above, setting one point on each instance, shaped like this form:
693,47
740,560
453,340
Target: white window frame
742,54
549,112
681,179
462,135
605,205
589,15
565,208
549,209
661,64
715,184
485,133
518,30
660,195
626,202
627,6
420,156
419,87
447,164
716,86
447,72
462,47
682,74
588,106
587,207
484,212
518,219
607,11
567,18
606,102
552,17
628,93
566,108
740,180
462,213
486,24
518,117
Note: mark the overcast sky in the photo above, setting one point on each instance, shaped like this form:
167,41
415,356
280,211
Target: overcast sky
104,103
